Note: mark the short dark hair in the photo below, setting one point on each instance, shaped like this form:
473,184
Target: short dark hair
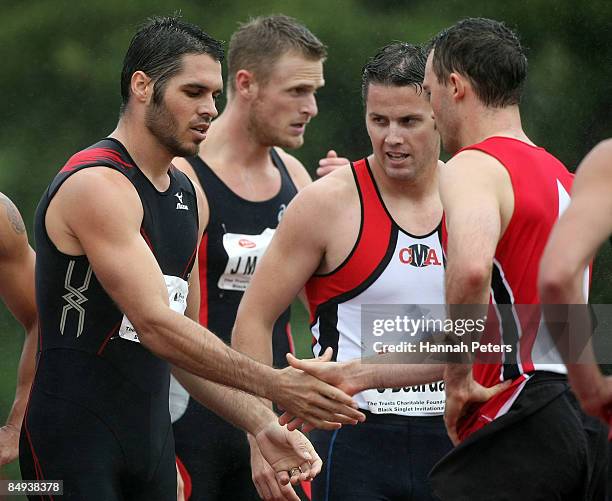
399,64
486,52
257,44
157,49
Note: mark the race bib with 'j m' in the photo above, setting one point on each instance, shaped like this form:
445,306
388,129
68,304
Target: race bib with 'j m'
243,253
177,296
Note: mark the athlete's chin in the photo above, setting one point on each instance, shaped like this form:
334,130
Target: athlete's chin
290,142
401,173
186,149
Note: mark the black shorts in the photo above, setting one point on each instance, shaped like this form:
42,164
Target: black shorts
544,448
90,427
387,457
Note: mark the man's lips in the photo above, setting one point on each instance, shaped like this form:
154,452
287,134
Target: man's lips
200,131
397,155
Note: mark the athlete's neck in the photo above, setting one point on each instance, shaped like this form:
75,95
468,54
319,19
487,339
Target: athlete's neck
486,122
152,158
230,143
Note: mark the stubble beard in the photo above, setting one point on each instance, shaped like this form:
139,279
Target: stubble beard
160,122
265,134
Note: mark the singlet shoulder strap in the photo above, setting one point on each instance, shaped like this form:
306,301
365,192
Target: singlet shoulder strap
106,153
282,168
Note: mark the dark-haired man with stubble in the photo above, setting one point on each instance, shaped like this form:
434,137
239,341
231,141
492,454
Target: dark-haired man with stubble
17,293
502,195
275,67
117,234
362,222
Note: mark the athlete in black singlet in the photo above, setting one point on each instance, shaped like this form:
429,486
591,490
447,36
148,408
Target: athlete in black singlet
275,66
117,292
219,466
95,382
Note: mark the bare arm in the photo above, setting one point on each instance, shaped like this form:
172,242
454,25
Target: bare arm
585,224
17,292
107,227
474,191
291,259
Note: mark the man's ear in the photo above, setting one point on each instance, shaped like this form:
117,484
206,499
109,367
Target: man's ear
458,85
246,84
141,86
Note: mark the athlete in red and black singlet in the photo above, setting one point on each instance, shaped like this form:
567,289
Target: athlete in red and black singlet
219,465
536,426
98,413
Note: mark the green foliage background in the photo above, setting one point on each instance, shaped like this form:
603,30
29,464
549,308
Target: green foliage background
60,65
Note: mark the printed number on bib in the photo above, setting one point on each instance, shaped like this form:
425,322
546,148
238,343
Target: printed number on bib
243,253
177,296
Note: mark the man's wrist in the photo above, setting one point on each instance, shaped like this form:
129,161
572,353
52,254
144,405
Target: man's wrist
269,382
456,373
13,427
587,381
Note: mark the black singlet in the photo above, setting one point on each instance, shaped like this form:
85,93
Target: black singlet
235,219
115,389
216,462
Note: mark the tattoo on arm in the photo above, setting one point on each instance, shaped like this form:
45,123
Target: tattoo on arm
13,215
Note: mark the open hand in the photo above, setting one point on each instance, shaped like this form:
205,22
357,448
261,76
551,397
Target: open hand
289,453
461,392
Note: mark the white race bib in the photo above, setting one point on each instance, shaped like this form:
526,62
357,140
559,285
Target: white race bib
177,296
243,252
421,400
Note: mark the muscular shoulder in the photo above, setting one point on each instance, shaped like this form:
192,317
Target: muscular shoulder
297,171
476,171
12,229
97,193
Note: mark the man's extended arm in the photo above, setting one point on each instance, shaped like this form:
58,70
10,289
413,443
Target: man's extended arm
573,243
17,292
107,227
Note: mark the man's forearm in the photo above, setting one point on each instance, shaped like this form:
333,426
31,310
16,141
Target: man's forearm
25,376
393,375
193,348
243,410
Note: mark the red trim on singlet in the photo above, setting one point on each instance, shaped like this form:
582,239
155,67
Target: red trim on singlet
290,338
189,262
108,337
37,467
147,239
203,271
93,156
363,260
184,473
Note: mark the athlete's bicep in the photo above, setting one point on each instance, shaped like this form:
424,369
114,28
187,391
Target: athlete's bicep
101,208
472,210
16,265
470,197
